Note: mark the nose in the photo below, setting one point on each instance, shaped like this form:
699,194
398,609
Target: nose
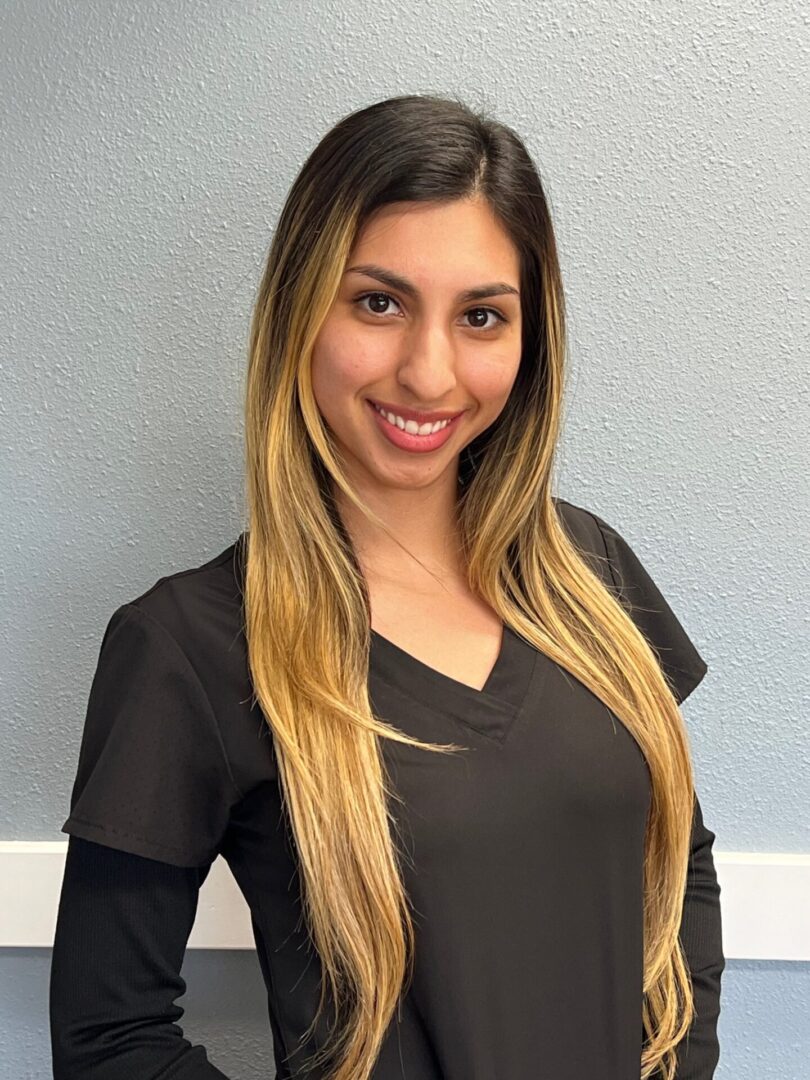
427,369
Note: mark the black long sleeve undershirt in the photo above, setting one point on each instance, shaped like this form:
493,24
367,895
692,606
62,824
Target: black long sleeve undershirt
702,940
121,933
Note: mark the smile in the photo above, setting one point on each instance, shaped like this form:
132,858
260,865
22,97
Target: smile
411,426
408,435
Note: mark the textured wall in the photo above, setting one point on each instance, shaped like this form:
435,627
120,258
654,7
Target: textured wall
146,153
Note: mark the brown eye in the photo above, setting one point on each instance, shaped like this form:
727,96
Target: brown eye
383,297
487,311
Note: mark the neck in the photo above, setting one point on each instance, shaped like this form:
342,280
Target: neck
423,544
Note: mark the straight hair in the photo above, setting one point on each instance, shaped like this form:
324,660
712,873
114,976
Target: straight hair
306,603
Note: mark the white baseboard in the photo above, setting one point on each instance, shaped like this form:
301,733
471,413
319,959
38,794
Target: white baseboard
765,902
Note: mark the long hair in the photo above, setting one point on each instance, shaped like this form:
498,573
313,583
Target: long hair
307,610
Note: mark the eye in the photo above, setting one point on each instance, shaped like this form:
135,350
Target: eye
490,311
387,298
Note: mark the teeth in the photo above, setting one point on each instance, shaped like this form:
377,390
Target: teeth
411,426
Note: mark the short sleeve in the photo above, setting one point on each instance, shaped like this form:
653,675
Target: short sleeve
682,664
152,776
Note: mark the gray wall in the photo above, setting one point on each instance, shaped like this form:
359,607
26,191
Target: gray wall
146,153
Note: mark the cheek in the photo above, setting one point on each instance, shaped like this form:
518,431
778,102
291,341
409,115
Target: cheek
344,363
490,380
332,377
342,367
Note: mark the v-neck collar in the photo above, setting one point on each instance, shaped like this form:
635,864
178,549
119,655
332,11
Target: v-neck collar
491,710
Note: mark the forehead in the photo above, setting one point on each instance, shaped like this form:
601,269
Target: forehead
458,241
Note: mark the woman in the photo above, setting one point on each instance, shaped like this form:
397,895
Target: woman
426,710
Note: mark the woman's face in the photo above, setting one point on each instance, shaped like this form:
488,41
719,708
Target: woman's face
418,344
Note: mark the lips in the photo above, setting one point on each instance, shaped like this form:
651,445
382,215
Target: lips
404,440
415,415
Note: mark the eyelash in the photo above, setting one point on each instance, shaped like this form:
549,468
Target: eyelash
388,296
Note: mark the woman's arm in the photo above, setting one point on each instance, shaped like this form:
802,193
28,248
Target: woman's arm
121,932
702,939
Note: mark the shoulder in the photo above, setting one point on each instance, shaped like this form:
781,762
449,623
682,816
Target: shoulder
197,610
588,532
185,599
180,630
581,523
617,564
190,623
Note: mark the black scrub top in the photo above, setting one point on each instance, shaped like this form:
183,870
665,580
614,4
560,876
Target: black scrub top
523,855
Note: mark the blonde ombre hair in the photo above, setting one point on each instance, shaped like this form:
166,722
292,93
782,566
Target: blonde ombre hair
307,611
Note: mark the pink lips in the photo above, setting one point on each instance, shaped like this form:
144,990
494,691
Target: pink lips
418,444
425,417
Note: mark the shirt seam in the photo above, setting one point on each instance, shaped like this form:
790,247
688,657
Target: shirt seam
212,564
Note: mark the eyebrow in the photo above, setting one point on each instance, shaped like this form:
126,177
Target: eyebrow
396,281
